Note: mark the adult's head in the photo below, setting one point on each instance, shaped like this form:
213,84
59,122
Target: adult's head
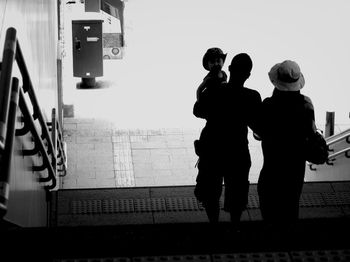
213,56
240,68
286,76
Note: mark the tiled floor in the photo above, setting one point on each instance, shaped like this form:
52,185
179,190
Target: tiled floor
100,155
177,204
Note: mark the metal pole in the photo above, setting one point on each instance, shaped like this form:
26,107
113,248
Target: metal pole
329,129
59,92
54,140
5,81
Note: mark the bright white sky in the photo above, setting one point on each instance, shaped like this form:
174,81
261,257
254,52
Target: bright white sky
162,67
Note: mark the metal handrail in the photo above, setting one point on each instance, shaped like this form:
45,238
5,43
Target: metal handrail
28,87
57,138
5,163
333,156
5,82
346,137
12,52
39,145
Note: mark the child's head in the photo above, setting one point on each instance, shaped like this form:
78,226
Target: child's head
214,57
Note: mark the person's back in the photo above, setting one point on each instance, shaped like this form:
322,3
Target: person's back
229,110
235,111
286,120
287,117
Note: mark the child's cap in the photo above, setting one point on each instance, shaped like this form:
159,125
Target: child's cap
212,52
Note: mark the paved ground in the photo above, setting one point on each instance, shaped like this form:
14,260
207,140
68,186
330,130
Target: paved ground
177,204
100,155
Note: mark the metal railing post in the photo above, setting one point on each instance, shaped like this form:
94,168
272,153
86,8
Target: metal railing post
5,81
330,116
54,140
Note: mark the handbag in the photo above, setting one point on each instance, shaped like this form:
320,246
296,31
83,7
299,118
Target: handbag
317,150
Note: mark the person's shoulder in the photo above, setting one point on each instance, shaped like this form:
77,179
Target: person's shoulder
307,99
251,92
208,75
308,102
224,85
224,74
267,100
221,89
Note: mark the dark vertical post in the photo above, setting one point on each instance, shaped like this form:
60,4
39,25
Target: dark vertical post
59,64
59,92
59,20
330,116
54,139
53,161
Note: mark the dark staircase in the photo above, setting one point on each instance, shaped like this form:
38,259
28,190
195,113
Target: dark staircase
167,224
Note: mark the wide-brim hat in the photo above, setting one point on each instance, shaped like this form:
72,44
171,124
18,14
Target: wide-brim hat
211,53
286,76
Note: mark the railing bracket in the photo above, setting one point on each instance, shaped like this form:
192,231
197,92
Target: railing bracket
39,168
35,115
22,131
312,168
347,154
330,162
44,179
20,119
31,152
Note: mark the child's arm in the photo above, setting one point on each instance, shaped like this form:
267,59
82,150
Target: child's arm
200,89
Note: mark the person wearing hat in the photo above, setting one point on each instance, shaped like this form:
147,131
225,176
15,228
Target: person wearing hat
213,61
286,119
229,110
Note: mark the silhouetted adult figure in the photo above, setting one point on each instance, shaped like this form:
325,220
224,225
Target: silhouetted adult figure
287,117
229,109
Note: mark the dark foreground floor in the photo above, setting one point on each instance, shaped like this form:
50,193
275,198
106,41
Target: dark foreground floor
166,224
325,239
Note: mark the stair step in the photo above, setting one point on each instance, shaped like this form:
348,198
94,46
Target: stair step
310,255
148,243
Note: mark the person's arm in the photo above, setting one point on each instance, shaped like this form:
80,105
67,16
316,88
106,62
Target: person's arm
310,113
200,108
200,89
254,118
212,79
